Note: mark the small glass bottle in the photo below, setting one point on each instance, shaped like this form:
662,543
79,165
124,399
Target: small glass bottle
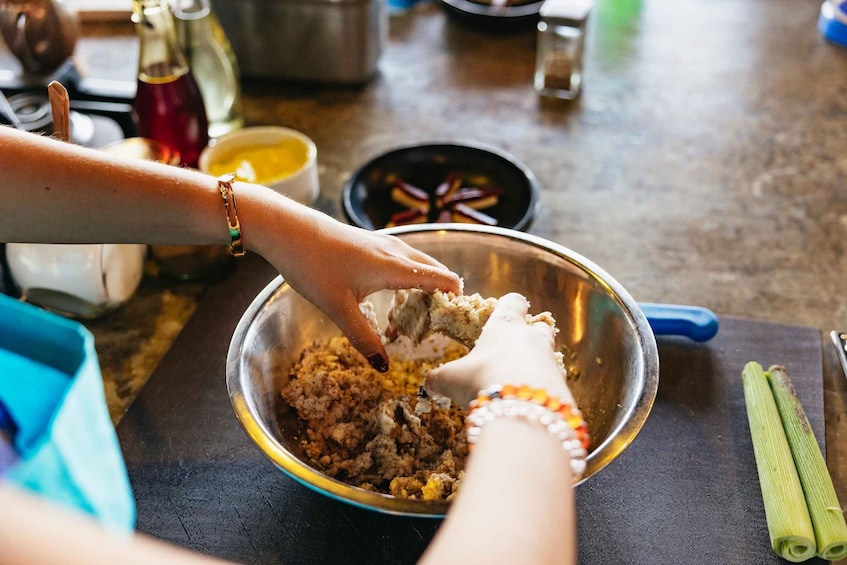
212,62
561,47
169,109
168,104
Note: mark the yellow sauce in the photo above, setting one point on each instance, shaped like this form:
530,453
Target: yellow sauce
263,164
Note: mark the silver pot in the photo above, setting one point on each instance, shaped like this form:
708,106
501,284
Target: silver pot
607,341
328,41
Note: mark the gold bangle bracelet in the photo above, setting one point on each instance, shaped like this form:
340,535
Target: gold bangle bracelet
236,247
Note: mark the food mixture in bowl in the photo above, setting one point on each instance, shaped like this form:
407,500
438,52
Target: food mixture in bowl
371,429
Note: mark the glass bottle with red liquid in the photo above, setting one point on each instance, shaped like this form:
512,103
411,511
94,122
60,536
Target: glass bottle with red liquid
168,104
169,109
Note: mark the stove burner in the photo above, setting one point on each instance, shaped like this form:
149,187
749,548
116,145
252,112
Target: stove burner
34,113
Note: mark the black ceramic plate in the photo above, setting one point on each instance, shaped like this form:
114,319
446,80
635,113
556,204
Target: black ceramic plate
493,17
367,195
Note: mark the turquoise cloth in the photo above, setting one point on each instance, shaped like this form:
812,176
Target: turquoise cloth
50,384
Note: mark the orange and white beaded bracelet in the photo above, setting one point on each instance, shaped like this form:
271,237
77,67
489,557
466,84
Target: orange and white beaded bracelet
535,406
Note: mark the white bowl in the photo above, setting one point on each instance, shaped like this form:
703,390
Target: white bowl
300,184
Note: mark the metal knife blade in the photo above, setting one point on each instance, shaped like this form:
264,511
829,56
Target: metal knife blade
840,341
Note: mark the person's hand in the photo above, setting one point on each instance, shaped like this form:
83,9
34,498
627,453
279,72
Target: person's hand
509,351
336,266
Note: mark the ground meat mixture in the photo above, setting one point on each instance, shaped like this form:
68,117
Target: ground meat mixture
370,429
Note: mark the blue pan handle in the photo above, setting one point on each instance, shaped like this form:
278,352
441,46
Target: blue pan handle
694,322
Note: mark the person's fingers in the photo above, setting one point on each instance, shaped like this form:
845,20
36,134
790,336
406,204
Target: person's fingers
425,271
513,308
421,257
544,330
510,308
414,275
457,380
413,253
355,326
430,278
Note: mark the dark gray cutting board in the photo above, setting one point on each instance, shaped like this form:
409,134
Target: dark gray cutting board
685,491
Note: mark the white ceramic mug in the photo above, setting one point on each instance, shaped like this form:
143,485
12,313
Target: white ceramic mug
80,280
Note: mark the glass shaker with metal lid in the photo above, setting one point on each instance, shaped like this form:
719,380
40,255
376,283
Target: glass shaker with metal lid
561,47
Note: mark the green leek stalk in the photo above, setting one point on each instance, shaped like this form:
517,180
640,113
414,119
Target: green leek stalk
821,499
789,524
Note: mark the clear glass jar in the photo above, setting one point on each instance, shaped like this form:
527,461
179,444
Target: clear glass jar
561,48
212,62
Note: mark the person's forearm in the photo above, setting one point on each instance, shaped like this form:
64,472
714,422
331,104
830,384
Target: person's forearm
56,193
516,502
35,532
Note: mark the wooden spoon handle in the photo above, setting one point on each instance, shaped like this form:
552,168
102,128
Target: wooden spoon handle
60,104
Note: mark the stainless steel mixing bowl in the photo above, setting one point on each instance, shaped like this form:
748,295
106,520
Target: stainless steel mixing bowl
606,339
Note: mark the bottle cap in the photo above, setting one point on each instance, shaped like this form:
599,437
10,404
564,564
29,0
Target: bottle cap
566,12
833,21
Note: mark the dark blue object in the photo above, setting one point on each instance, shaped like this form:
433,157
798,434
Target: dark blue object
8,453
6,423
831,24
694,322
400,5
